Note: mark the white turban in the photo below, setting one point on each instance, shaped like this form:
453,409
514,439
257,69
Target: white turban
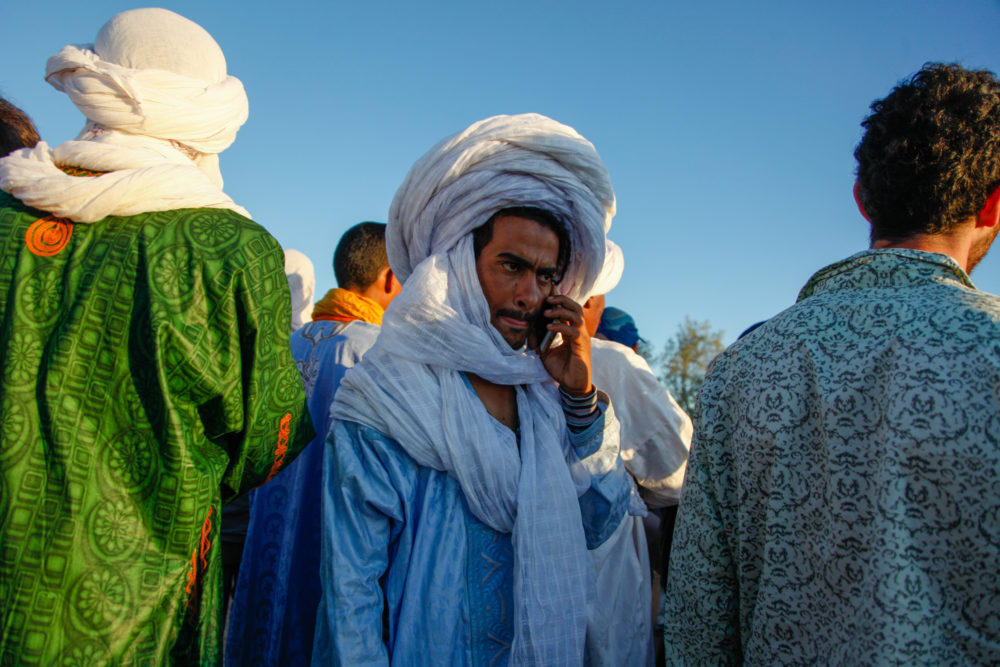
504,161
611,272
159,109
301,285
154,73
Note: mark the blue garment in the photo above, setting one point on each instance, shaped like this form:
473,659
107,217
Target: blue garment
842,500
401,535
274,607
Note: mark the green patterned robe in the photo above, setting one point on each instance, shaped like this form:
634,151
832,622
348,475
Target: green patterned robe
145,378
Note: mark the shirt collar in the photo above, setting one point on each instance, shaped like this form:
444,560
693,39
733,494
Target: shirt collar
892,267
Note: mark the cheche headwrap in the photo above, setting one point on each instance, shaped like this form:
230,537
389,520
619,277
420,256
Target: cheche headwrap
499,162
159,108
611,272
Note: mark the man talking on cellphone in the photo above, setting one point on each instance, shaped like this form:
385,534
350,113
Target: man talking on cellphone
470,498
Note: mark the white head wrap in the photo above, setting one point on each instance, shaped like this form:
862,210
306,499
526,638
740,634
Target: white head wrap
301,285
503,161
159,109
611,272
410,385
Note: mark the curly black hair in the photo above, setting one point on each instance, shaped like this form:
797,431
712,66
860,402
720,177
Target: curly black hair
930,155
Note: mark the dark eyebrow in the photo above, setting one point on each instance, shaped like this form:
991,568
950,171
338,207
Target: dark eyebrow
517,259
511,257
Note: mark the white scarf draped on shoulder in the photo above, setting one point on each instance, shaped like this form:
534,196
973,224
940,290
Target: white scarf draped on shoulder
157,118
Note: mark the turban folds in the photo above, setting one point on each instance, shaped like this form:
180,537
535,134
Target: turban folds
160,108
500,162
611,271
154,73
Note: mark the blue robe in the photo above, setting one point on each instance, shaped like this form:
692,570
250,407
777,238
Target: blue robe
400,535
274,606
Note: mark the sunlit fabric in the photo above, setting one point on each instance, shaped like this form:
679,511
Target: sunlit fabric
301,286
143,385
460,610
841,503
274,607
158,115
655,431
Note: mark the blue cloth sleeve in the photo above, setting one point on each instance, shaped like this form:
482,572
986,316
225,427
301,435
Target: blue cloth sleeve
605,502
359,505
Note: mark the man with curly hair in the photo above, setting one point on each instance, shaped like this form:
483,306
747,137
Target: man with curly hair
841,502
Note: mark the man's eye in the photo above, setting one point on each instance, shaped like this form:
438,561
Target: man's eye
511,267
545,278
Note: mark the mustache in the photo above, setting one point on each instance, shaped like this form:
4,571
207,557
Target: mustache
527,316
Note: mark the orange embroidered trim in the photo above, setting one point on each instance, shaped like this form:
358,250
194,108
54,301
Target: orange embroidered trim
279,452
192,575
206,530
80,171
202,549
48,236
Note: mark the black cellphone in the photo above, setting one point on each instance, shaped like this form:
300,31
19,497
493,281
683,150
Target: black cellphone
542,333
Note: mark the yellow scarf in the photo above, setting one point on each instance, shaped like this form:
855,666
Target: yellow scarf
344,306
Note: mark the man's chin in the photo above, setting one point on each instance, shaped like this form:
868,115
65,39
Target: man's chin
515,342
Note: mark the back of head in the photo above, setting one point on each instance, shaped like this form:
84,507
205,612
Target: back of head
360,255
16,129
154,38
930,154
154,73
617,325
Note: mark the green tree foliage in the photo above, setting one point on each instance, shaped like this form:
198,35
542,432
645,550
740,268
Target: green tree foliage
685,359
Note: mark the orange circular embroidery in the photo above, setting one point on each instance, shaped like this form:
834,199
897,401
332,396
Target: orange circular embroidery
47,236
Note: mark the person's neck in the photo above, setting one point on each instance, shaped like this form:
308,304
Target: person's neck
956,245
372,293
500,400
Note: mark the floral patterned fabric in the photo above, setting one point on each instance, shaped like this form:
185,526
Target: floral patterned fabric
842,500
145,378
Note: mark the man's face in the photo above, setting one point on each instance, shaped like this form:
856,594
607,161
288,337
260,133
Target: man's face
516,271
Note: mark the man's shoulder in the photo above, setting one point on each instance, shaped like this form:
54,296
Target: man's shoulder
208,228
364,441
943,315
357,336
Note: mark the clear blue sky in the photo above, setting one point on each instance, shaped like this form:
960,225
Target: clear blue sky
728,127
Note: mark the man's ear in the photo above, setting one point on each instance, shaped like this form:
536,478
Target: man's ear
857,200
989,214
388,281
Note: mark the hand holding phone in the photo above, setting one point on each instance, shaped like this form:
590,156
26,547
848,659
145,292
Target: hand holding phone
568,363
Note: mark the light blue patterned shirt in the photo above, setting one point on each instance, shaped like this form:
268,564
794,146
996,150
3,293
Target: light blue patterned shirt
842,500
